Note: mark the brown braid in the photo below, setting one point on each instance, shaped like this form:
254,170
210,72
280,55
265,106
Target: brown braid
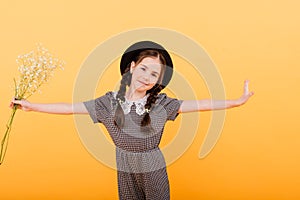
150,101
119,118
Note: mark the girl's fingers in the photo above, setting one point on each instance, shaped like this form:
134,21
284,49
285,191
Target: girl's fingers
246,87
17,102
13,100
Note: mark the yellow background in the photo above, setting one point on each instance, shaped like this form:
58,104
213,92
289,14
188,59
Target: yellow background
257,156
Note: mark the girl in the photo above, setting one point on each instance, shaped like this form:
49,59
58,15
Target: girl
135,117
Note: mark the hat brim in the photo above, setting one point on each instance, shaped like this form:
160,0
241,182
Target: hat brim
133,51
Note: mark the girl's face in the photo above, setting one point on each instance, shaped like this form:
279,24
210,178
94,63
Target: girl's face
145,74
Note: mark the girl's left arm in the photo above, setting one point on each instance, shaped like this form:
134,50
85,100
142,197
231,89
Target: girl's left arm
208,104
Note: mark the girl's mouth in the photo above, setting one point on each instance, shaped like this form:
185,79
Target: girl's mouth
143,83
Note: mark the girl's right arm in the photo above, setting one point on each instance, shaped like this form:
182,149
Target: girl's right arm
51,108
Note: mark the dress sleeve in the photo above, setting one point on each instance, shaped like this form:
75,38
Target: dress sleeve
99,109
170,105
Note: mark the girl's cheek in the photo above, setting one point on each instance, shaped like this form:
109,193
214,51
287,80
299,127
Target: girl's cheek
153,80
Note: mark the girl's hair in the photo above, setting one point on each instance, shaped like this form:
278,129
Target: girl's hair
119,117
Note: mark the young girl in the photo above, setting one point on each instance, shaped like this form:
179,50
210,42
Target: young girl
135,117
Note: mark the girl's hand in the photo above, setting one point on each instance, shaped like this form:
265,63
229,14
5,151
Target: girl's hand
244,98
22,104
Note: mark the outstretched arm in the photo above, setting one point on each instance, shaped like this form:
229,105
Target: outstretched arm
208,104
52,108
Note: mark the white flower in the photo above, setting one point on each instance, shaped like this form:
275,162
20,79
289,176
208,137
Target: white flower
35,68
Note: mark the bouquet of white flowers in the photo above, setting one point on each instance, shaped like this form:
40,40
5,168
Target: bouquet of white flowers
36,68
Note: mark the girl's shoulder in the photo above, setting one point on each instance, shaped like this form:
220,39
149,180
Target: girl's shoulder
109,95
106,98
163,98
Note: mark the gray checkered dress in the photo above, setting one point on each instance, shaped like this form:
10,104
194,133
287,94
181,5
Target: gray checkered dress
141,166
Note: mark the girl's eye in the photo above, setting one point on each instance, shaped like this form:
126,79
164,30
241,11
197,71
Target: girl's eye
154,75
143,68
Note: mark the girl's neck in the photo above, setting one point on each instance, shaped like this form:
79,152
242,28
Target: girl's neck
133,95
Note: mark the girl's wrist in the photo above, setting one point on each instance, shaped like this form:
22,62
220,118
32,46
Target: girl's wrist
27,106
240,101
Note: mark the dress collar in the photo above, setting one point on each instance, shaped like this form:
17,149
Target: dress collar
139,103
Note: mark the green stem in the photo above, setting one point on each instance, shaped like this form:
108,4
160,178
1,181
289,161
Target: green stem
5,138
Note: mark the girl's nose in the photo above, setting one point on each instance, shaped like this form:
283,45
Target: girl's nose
146,77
